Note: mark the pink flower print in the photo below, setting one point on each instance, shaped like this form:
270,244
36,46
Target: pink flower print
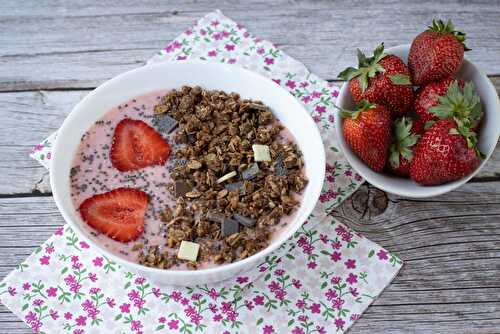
78,331
133,295
336,256
173,324
330,178
303,318
306,99
81,321
51,292
225,34
297,330
301,304
321,329
308,249
280,294
214,23
213,294
315,308
331,294
302,241
331,119
304,84
12,291
162,320
339,323
212,53
188,31
357,177
94,291
136,325
231,61
53,314
337,245
90,308
311,265
261,51
98,261
316,119
290,84
38,147
273,286
350,264
176,296
84,245
354,317
382,255
140,280
335,93
336,280
258,300
337,303
38,302
340,230
352,278
74,258
92,277
320,109
139,303
195,296
26,286
246,34
269,61
217,317
217,36
330,168
184,301
323,238
33,321
181,57
77,265
212,307
296,283
59,231
49,249
203,32
279,272
68,316
156,292
226,307
111,302
348,173
229,47
242,280
249,304
278,81
316,94
268,329
125,308
354,292
44,260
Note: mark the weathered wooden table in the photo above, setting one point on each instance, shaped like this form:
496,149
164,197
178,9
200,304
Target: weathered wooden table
52,53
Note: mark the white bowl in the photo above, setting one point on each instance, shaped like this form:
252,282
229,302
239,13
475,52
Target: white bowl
170,75
488,135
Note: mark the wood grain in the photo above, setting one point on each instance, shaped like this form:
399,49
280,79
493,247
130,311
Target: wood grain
81,45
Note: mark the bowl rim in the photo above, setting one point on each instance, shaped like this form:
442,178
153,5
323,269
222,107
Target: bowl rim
432,191
313,136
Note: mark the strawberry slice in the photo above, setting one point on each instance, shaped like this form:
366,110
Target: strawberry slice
119,213
137,145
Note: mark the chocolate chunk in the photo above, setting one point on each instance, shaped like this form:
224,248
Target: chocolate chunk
235,186
164,123
245,221
181,188
279,167
229,226
215,217
250,172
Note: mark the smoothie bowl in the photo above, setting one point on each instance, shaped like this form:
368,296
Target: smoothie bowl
187,173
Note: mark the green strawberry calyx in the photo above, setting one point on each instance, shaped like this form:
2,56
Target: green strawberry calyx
368,67
469,135
404,139
448,28
360,107
461,104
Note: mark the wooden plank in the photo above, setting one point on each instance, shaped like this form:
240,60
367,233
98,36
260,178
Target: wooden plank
28,117
46,46
454,239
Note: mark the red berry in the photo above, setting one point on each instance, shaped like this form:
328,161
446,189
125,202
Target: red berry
137,145
119,213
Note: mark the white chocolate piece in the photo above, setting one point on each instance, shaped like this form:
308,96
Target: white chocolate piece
226,177
188,251
261,152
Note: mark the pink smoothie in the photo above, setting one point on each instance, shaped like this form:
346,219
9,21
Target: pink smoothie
93,173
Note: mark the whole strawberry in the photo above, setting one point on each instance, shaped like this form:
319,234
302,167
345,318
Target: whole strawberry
449,99
367,130
405,136
437,53
446,152
382,79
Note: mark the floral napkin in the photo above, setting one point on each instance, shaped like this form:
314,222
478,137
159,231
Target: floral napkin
320,281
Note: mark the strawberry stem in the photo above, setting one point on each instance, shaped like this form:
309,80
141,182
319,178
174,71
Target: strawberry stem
448,28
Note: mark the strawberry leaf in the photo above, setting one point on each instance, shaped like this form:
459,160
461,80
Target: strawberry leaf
400,79
349,73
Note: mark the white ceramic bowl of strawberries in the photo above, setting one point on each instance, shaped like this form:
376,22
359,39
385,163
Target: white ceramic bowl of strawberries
431,164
